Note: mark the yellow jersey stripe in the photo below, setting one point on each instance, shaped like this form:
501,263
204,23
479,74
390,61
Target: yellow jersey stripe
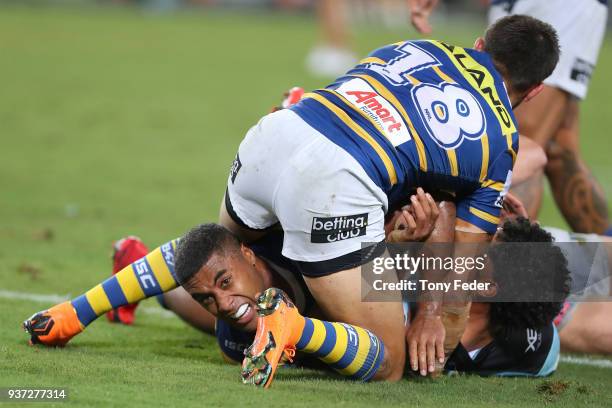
464,62
361,133
510,149
484,166
385,93
340,347
160,270
98,300
375,358
130,286
442,75
485,216
452,159
412,79
318,337
353,107
361,355
495,185
372,60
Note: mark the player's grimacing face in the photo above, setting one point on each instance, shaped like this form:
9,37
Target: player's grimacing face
226,286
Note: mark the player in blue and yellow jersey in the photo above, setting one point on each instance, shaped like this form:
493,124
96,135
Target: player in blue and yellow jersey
329,169
412,114
552,119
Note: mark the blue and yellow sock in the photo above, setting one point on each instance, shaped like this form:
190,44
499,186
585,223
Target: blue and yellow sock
147,277
350,350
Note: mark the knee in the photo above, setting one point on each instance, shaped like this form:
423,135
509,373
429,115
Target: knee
587,339
392,366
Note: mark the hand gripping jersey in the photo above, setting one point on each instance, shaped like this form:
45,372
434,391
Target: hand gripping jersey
424,113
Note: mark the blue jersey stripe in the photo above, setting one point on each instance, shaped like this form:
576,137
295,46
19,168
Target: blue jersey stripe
351,350
372,361
306,334
330,339
84,311
114,292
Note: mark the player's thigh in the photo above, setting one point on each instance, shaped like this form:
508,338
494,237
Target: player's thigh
332,216
248,205
338,295
589,329
567,136
540,118
329,208
238,229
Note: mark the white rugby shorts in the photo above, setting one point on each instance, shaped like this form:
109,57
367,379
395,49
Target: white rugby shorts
287,172
580,25
587,261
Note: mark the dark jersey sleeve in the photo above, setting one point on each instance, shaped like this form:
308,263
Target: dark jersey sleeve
522,353
232,342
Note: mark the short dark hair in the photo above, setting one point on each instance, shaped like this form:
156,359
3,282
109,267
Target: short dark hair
527,268
524,49
198,245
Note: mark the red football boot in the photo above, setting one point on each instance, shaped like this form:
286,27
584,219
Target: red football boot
126,251
290,98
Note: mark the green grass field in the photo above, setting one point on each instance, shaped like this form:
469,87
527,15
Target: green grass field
117,122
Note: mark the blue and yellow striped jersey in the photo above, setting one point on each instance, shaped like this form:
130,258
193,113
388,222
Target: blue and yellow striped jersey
424,113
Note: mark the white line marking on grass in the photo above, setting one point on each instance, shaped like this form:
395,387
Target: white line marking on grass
7,294
54,298
602,363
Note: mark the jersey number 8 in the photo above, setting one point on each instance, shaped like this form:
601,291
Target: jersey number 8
450,113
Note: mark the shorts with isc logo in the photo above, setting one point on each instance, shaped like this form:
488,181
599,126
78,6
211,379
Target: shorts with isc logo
287,172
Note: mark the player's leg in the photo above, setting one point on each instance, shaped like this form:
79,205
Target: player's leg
589,329
528,175
247,208
330,207
147,277
232,223
347,346
576,191
125,251
290,173
333,56
538,120
584,324
339,297
553,114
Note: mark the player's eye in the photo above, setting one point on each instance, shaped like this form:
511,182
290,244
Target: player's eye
225,282
203,299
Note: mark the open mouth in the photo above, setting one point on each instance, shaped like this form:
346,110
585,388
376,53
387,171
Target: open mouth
242,311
